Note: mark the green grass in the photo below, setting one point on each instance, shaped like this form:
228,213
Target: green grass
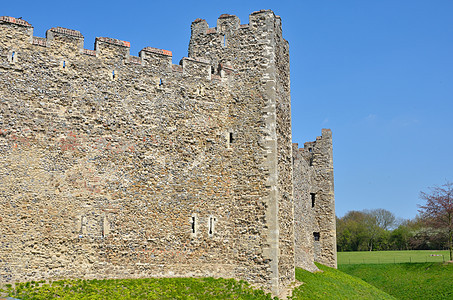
407,280
333,284
329,284
148,288
387,257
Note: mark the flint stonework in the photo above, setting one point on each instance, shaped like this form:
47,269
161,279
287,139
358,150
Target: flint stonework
120,166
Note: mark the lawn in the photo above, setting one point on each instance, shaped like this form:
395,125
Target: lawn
386,257
407,280
329,284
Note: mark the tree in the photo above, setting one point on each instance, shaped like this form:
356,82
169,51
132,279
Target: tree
384,218
438,210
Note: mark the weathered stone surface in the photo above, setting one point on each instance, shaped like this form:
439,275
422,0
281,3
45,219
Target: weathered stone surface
314,203
117,166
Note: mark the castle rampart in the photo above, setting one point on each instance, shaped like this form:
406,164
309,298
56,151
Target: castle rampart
115,165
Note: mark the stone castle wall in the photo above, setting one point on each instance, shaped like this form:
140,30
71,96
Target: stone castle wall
115,165
314,203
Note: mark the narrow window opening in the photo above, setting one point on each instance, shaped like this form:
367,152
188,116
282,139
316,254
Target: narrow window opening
311,162
193,224
12,57
212,70
224,41
231,139
113,74
161,83
64,64
310,150
210,225
313,197
316,236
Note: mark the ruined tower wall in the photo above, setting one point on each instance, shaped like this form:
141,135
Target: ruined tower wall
261,86
115,165
314,203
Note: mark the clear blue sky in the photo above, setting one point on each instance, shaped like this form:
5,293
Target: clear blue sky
378,73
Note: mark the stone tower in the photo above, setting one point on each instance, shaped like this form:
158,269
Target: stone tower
261,87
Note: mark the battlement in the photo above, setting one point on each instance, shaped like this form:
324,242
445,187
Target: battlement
113,51
110,50
309,146
226,23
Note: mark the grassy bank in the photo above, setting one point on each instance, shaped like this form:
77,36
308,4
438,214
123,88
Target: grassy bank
330,284
147,288
409,280
334,284
390,257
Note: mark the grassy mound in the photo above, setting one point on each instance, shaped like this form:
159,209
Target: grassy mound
148,288
407,281
333,284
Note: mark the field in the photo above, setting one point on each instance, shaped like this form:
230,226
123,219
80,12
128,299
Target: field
390,257
330,284
407,280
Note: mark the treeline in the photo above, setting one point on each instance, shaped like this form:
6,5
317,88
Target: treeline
378,229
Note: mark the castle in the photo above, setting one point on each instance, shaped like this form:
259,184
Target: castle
121,166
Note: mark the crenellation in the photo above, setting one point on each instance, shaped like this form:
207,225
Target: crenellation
39,41
135,59
176,68
89,52
16,21
157,51
211,30
112,49
64,31
199,26
227,23
60,38
157,59
113,41
17,30
136,167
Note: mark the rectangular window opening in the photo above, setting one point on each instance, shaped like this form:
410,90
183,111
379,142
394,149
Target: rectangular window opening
231,139
210,225
193,224
313,197
316,236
